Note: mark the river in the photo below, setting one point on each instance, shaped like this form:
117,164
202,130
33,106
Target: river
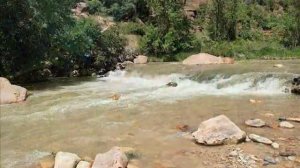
78,115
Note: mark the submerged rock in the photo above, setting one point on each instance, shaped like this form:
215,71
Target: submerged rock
114,158
47,162
141,59
204,58
260,139
296,86
255,123
217,131
172,84
286,124
11,93
66,160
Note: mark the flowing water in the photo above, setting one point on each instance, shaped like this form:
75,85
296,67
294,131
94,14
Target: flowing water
79,115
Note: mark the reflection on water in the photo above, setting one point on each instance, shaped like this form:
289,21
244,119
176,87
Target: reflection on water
80,117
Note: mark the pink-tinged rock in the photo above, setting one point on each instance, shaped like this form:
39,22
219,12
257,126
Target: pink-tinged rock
66,160
141,59
114,158
204,58
217,131
11,93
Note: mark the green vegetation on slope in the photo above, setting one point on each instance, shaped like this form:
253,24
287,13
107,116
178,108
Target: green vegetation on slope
39,35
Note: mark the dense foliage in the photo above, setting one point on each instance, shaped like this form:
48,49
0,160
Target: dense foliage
169,29
43,34
37,36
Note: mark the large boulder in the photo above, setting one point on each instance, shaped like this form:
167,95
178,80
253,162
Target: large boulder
141,59
66,160
114,158
204,58
11,93
217,131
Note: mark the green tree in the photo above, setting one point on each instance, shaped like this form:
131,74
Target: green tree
27,31
169,31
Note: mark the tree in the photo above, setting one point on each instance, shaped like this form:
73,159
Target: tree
27,31
224,14
169,31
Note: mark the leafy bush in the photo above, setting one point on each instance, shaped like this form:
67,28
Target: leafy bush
170,29
95,6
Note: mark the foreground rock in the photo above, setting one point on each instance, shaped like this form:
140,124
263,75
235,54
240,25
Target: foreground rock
255,123
260,139
114,158
285,124
66,160
217,131
11,93
204,58
83,164
141,59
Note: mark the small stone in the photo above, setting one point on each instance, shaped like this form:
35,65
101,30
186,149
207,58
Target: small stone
278,65
275,145
270,160
269,115
255,123
292,158
260,139
66,160
285,124
233,153
83,164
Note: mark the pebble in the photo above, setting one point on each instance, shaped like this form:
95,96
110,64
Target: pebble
255,123
275,145
292,158
278,65
260,139
233,153
285,124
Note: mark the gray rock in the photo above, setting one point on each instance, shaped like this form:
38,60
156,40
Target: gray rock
260,139
285,124
270,160
66,160
83,164
114,158
217,131
255,123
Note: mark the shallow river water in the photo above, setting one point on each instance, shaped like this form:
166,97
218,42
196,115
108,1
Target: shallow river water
79,115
